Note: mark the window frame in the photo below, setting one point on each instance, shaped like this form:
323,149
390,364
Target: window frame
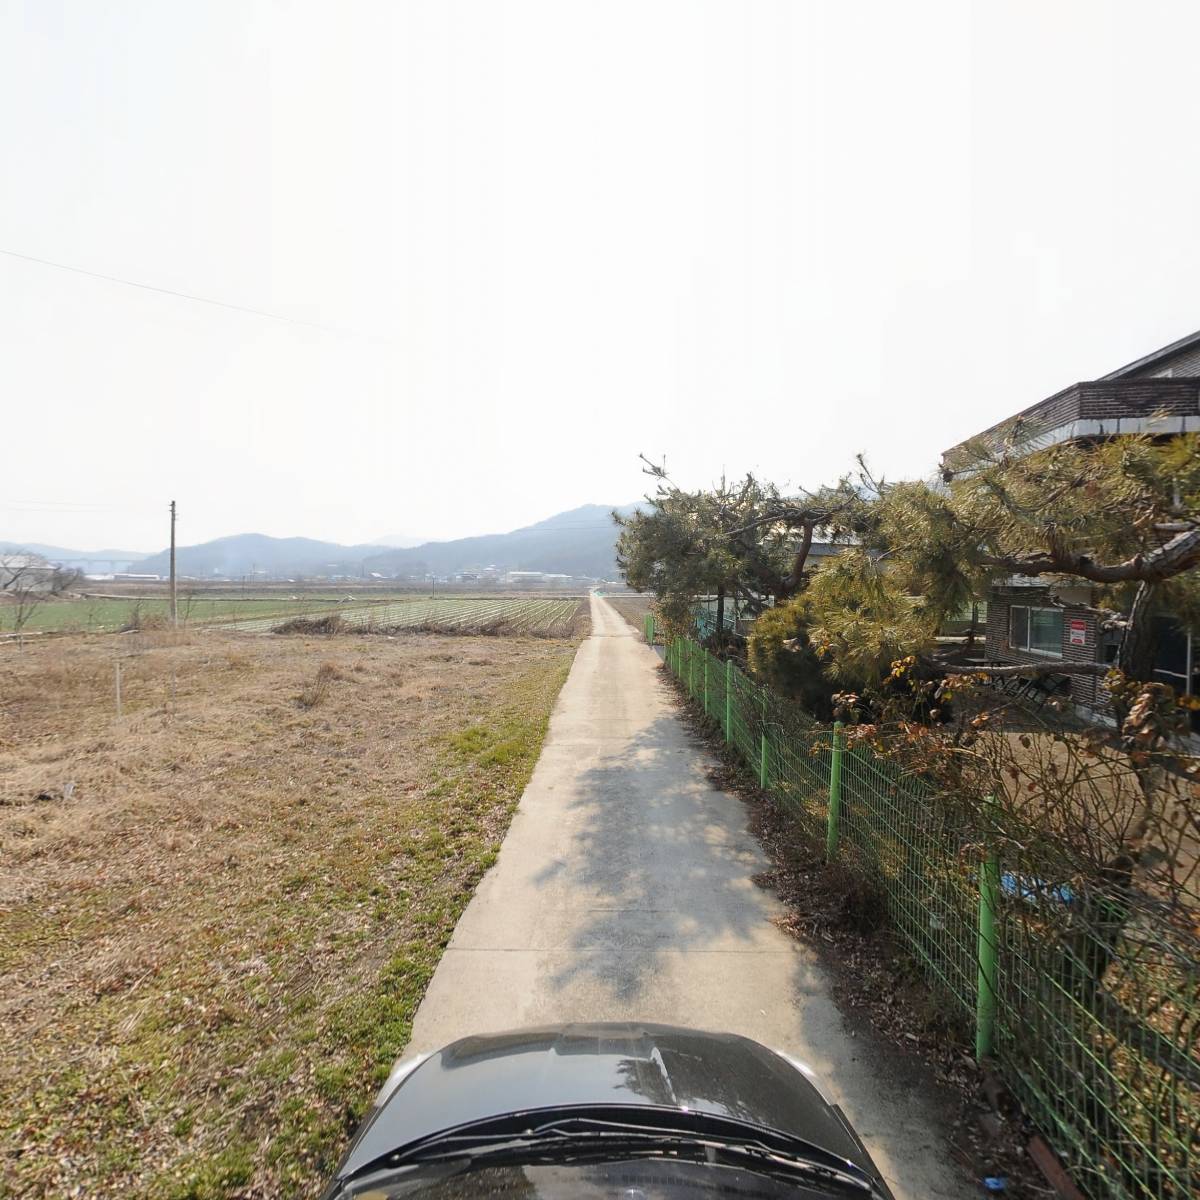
1030,609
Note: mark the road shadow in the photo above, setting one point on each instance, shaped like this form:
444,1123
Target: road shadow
658,861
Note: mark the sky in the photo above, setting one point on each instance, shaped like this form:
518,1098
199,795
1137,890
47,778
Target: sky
495,250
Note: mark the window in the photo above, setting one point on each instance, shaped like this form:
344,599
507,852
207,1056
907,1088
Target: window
1175,654
1039,630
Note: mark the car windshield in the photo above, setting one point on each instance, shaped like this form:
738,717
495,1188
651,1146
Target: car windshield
628,1179
586,1149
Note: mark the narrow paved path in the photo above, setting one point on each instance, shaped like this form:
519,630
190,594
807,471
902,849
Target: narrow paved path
623,892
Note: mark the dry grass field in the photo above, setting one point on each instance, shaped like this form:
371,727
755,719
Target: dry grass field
219,910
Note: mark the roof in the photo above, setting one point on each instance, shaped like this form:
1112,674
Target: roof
1148,360
1069,410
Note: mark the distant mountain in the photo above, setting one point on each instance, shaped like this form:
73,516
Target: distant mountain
60,554
257,554
579,542
398,541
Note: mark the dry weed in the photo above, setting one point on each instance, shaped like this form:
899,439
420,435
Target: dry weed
316,691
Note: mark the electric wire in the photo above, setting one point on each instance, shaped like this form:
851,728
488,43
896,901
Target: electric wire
149,287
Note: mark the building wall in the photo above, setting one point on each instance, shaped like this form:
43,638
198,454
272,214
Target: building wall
1084,688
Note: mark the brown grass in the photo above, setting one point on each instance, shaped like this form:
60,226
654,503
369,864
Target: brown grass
218,912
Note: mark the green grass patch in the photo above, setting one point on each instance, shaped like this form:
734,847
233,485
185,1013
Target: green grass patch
98,614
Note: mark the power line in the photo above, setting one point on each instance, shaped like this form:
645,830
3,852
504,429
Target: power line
149,287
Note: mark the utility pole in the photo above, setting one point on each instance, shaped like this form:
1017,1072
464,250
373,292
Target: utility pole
174,605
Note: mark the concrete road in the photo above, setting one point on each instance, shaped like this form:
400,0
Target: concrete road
623,892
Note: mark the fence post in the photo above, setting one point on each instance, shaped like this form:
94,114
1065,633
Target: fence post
833,828
706,683
764,747
650,628
985,1003
729,699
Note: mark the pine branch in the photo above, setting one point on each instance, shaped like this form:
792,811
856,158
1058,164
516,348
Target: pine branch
1181,553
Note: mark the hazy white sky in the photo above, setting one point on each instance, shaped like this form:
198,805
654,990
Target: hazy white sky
543,237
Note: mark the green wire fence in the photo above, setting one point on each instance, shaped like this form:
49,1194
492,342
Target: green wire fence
1087,1000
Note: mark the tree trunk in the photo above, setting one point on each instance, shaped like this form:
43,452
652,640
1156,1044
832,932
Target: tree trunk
1136,656
791,585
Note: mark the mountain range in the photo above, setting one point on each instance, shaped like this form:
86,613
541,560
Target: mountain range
60,554
581,541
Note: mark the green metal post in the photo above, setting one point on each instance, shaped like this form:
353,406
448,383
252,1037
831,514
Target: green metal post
650,628
706,683
833,829
729,699
764,747
985,1003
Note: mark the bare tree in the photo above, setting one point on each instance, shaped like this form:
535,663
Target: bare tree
63,580
23,582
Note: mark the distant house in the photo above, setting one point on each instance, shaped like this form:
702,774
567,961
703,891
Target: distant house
1158,394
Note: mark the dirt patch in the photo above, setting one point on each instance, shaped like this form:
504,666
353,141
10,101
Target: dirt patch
219,909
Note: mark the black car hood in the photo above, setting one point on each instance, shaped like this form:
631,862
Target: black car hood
607,1064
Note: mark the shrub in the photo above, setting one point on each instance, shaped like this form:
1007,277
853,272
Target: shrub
328,625
781,654
315,692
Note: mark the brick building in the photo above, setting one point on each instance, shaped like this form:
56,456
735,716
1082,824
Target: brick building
1158,394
